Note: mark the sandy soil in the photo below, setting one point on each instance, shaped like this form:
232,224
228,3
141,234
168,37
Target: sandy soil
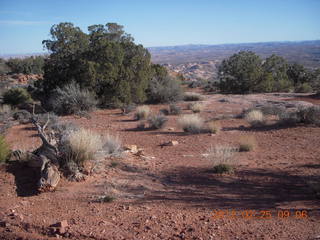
170,192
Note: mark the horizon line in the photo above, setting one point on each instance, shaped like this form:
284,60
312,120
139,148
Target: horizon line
172,46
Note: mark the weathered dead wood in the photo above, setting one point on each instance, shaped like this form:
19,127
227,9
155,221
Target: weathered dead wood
46,157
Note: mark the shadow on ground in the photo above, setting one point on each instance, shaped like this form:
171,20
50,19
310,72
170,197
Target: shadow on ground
246,189
26,179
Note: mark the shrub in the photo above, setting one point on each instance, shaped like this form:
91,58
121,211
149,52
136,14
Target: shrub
213,127
174,109
196,107
16,96
220,154
142,112
303,88
271,109
164,90
81,146
223,168
254,117
72,100
191,123
106,199
309,115
128,108
6,112
192,96
157,121
22,116
288,118
112,146
63,130
247,143
4,150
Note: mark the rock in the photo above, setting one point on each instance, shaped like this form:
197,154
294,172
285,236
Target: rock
131,148
60,227
173,143
171,129
170,143
63,223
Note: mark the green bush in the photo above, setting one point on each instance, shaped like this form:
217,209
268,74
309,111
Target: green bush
303,88
16,96
223,168
192,96
4,150
72,100
22,116
309,115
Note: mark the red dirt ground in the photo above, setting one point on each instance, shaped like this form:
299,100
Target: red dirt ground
170,193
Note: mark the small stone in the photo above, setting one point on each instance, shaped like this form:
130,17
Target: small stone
131,148
63,224
173,143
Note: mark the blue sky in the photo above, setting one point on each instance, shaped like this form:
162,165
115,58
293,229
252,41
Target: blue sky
25,23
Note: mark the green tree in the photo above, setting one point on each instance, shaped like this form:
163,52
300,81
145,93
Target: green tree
105,61
29,65
67,46
240,73
277,66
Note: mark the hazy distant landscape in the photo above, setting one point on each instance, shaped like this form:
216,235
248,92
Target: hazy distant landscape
306,53
159,120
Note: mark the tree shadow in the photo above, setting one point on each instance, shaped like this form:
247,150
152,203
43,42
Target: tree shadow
315,166
26,178
173,133
271,127
246,189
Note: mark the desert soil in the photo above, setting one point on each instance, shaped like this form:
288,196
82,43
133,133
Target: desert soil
169,192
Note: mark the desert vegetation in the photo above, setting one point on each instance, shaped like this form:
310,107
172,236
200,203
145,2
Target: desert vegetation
222,158
246,72
101,113
192,96
191,123
142,112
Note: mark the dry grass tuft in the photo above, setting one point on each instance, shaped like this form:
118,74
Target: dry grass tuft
82,145
220,154
255,118
112,145
142,112
214,127
247,143
191,123
196,107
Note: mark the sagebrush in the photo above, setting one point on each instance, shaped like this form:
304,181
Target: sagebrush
72,100
157,121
